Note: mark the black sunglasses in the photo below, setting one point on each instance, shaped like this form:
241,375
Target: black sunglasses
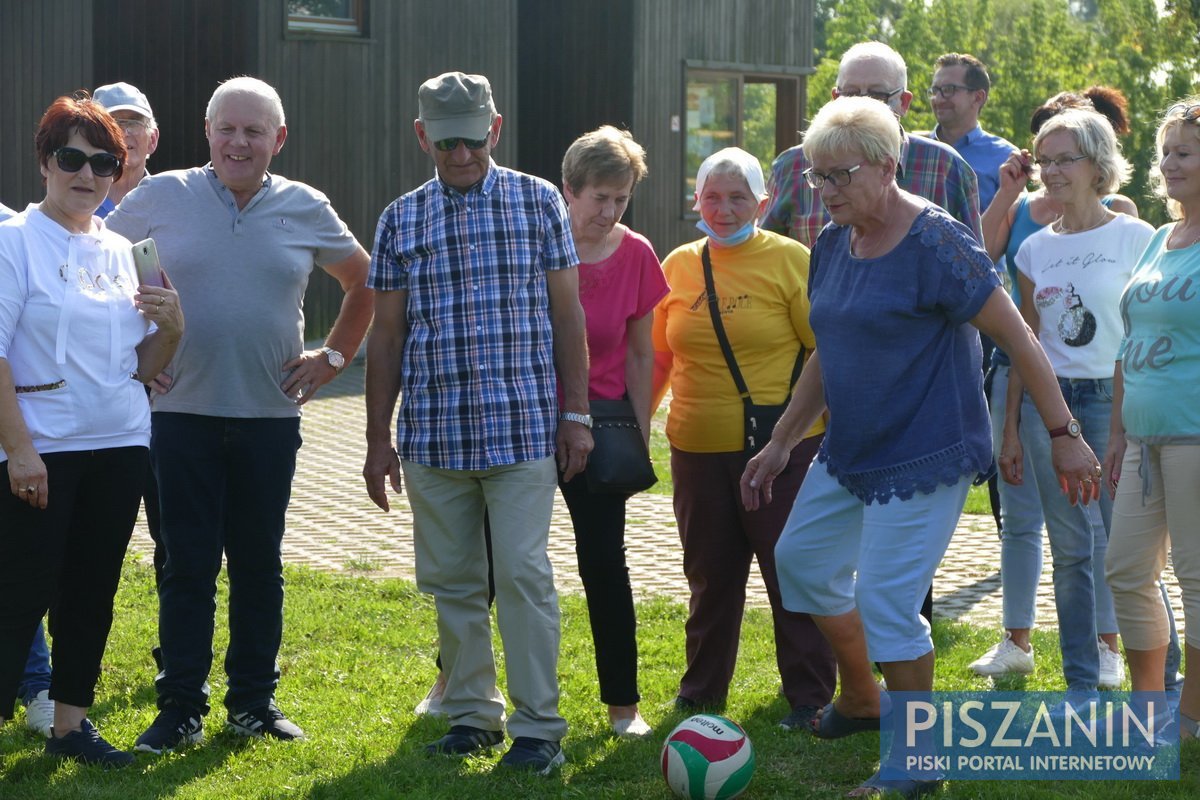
72,160
447,145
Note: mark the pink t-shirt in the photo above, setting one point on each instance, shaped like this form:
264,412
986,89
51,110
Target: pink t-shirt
625,286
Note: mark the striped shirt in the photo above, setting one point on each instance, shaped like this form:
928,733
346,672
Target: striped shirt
478,380
927,169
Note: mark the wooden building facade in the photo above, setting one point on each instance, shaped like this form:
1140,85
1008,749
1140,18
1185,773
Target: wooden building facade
679,74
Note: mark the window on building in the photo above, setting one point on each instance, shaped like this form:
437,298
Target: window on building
756,111
327,17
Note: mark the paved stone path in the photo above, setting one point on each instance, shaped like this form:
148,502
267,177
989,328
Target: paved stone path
332,525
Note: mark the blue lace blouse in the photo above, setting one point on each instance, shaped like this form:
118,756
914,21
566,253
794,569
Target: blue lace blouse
900,361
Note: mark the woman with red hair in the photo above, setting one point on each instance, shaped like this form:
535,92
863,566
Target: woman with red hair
77,335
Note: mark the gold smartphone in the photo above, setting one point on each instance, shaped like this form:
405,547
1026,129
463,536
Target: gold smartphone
145,258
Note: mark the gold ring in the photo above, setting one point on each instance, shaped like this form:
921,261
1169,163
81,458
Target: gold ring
1099,470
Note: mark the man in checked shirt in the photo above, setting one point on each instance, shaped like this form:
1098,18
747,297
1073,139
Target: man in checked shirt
477,304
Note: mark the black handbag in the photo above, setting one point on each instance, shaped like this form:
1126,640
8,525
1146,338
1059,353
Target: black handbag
757,421
619,462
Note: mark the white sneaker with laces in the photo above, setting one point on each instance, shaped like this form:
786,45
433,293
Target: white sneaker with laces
1004,659
1112,668
39,714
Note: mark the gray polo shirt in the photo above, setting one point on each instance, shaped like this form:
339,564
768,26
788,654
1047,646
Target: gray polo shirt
241,277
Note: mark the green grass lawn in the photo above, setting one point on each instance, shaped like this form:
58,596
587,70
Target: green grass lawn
358,655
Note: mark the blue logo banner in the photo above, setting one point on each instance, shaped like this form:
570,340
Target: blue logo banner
987,735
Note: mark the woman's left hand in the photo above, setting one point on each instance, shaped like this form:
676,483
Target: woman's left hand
306,373
760,474
27,478
161,306
1077,468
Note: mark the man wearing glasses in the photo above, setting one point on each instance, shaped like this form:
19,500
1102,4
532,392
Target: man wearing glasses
476,312
132,112
960,90
927,168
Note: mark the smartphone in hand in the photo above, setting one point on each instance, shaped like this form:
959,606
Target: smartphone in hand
145,258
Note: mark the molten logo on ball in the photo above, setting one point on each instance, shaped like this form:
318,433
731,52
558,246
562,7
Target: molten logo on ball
707,757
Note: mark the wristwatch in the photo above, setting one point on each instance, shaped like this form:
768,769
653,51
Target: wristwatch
1071,429
336,359
583,419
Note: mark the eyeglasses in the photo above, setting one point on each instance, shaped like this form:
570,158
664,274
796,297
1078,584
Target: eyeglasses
948,90
447,145
72,160
883,97
1189,113
131,124
838,177
1062,162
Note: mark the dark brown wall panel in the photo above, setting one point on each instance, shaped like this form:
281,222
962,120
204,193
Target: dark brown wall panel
45,52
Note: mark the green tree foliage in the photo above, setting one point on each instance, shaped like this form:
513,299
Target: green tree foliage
1034,49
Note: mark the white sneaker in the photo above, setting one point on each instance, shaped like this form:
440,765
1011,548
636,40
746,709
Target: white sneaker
632,727
431,706
1003,659
39,714
1112,668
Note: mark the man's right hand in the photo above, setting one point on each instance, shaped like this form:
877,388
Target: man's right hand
382,462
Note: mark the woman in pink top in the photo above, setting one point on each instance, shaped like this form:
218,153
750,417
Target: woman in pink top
620,282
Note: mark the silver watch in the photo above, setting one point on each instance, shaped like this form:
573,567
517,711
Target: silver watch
336,359
582,419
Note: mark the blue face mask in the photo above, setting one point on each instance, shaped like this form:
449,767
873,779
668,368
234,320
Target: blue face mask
742,234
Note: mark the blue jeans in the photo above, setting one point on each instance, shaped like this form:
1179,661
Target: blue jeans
37,668
1078,534
1020,523
224,486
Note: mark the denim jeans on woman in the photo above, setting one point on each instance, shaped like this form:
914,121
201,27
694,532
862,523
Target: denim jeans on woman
1078,534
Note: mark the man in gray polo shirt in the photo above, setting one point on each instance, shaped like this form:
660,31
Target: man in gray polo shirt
239,244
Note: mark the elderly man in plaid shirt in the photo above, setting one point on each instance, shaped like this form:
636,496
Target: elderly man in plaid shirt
477,310
927,168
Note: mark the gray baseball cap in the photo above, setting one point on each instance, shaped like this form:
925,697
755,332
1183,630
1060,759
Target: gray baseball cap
123,97
455,104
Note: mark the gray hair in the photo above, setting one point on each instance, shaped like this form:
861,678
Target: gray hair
1096,139
854,124
877,51
244,84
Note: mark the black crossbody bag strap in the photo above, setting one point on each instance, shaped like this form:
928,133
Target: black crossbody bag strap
723,340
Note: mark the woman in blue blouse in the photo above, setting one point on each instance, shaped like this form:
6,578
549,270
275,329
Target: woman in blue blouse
898,288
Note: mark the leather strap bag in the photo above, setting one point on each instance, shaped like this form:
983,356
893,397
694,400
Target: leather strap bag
619,462
757,421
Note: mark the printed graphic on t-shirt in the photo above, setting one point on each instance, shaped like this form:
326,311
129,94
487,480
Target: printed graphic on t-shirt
726,305
1077,325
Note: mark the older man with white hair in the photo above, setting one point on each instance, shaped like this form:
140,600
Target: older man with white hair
239,244
927,168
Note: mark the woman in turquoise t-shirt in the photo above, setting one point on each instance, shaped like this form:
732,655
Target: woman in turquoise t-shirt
1154,409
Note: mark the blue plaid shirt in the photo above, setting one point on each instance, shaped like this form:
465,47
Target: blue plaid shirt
478,381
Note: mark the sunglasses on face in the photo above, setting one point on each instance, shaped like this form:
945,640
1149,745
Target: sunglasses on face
1189,113
448,145
72,160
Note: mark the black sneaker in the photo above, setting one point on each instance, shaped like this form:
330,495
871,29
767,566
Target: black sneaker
87,746
265,721
173,727
799,719
538,756
463,740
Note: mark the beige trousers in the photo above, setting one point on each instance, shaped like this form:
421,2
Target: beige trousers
1143,528
451,565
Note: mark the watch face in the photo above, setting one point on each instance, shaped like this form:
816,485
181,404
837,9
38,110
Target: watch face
336,360
1073,429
